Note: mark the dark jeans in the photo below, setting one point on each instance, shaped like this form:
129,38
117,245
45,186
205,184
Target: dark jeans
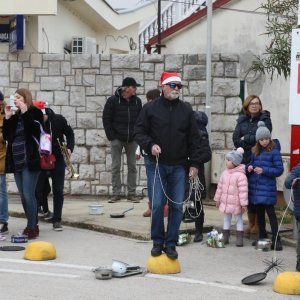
42,191
147,163
173,182
261,210
58,179
298,240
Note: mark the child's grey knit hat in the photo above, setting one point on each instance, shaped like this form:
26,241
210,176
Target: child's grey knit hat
262,131
235,156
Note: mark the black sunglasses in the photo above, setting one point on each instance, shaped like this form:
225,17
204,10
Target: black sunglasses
174,85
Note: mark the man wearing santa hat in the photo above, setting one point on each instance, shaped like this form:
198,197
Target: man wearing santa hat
166,129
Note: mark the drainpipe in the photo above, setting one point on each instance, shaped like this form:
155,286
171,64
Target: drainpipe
208,88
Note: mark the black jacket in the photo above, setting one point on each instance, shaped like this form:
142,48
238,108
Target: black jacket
120,115
59,129
31,129
246,127
172,126
202,120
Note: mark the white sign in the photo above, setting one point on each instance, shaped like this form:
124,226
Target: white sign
294,107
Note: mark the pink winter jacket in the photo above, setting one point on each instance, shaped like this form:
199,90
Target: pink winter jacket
232,190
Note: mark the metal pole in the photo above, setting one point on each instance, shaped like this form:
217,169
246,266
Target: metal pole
158,26
208,87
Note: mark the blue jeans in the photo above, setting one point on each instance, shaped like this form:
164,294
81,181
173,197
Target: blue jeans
173,181
3,200
26,182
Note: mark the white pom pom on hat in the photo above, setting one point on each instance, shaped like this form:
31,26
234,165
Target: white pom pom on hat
235,156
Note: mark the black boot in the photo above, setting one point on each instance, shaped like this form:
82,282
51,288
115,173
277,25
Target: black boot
199,229
278,245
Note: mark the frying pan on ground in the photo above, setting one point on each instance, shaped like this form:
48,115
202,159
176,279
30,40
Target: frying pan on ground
12,248
257,277
121,215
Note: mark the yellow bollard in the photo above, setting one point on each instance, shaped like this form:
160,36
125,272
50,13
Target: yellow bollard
163,265
40,251
287,283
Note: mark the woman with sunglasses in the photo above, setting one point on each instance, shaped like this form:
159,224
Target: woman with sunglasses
244,136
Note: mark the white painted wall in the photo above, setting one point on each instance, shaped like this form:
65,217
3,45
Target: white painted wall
60,29
28,7
238,32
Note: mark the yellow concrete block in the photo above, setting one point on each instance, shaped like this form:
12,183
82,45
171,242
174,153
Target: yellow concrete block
287,283
163,265
40,251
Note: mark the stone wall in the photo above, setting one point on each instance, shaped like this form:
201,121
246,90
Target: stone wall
77,86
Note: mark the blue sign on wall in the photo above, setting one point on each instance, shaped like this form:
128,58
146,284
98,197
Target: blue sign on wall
16,33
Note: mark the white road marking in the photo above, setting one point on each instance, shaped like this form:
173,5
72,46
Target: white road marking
46,263
90,268
214,284
39,273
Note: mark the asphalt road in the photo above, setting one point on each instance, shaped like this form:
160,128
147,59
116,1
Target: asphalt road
206,273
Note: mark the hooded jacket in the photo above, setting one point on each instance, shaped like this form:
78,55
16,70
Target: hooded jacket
172,126
232,190
262,187
246,127
120,115
31,129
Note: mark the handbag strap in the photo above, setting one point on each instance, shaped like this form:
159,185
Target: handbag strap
42,132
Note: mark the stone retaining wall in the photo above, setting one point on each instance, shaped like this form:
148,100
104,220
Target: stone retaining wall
77,86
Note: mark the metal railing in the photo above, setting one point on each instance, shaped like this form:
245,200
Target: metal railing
171,14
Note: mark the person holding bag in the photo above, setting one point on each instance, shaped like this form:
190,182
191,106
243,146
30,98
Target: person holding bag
22,156
57,126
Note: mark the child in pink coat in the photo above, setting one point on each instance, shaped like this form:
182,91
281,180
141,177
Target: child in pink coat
232,195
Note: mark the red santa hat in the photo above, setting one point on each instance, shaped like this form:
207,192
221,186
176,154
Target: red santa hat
40,104
169,77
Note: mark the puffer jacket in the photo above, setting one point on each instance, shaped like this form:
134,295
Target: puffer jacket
295,173
232,190
262,187
246,127
120,115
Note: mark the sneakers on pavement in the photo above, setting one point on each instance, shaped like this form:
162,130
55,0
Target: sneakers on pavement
133,198
40,212
157,250
57,226
3,228
114,199
171,252
48,216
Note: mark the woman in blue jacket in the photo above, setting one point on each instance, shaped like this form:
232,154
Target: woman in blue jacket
265,165
244,136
